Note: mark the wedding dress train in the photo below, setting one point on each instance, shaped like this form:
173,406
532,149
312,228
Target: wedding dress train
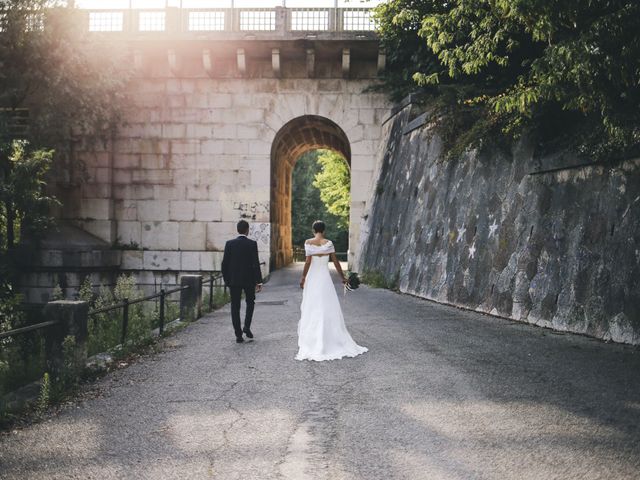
322,334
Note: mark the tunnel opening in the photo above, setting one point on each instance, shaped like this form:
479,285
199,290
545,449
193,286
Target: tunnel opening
294,139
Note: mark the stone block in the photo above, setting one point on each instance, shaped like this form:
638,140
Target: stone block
133,192
224,131
160,235
152,177
125,210
190,261
249,131
367,116
132,259
333,85
364,147
189,147
207,211
190,298
95,190
211,115
129,232
200,130
355,134
181,161
235,147
121,176
161,260
218,233
197,100
193,236
169,192
212,147
259,147
95,208
104,229
185,177
220,100
181,210
211,261
153,210
197,192
244,115
102,175
154,161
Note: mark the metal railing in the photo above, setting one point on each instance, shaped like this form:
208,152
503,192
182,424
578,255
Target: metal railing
125,304
199,20
162,295
30,328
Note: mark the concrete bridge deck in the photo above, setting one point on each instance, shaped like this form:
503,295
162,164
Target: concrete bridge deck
442,394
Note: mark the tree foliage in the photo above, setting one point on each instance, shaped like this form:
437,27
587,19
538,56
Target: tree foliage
307,204
23,199
333,181
70,86
565,70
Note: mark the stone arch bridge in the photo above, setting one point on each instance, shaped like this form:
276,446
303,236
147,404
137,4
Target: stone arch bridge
222,104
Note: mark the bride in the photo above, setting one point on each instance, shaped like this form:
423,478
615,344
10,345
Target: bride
322,334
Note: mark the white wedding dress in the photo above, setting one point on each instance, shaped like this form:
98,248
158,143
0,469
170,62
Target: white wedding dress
322,334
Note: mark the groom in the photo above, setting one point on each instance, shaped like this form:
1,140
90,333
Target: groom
241,272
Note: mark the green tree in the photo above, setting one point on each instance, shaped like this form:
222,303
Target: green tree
23,200
333,182
561,70
307,206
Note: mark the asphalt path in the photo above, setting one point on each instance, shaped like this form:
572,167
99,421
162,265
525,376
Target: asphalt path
441,394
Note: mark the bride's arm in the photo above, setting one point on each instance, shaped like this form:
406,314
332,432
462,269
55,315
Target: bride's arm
336,264
307,264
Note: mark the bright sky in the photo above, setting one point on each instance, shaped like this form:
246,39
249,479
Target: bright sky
116,4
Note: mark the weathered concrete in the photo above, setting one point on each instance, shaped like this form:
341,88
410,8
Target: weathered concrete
537,239
191,298
441,394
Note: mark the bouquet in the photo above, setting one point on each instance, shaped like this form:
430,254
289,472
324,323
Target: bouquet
353,282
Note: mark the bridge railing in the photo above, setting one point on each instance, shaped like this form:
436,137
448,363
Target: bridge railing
186,20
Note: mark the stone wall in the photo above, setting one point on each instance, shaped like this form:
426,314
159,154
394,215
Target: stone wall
196,155
536,239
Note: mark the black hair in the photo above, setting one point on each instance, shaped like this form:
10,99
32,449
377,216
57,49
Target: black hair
318,226
243,227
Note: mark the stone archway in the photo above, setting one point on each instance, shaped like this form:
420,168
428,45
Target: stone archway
296,137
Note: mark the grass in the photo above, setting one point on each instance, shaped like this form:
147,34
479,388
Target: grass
376,279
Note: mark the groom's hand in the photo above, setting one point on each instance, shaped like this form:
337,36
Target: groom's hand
258,288
302,283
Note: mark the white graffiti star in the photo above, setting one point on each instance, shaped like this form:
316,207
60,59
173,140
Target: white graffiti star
472,251
492,229
461,232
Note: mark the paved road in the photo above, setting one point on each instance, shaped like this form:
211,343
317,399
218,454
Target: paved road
442,394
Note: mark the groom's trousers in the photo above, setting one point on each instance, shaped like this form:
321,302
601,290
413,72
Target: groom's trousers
236,298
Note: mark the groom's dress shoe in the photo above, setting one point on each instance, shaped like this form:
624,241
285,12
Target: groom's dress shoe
239,340
248,333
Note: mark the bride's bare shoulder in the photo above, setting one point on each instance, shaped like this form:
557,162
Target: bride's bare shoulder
316,242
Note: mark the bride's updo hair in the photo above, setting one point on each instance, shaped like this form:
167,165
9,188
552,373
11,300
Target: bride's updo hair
318,226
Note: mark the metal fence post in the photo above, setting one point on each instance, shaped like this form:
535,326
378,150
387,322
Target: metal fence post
161,311
125,320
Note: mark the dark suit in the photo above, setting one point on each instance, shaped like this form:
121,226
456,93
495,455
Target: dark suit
241,272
